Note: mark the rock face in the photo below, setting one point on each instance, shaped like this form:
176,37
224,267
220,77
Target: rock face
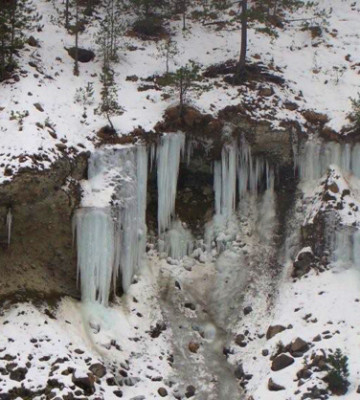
40,257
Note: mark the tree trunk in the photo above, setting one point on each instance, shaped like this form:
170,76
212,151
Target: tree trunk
184,14
76,66
67,14
240,69
181,90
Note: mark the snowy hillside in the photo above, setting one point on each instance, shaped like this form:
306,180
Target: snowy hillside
213,254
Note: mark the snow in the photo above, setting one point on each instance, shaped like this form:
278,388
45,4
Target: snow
314,69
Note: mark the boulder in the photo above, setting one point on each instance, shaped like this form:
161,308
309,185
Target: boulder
84,56
281,361
303,261
299,346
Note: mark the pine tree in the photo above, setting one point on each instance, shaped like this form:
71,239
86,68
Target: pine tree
109,105
15,16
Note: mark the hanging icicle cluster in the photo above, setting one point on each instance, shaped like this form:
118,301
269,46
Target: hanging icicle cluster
238,169
112,240
316,156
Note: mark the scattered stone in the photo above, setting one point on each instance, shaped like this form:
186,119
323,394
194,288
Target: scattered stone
299,346
156,331
32,42
274,330
162,392
281,361
304,373
317,338
239,372
265,352
98,370
190,391
274,387
39,107
194,347
247,310
266,91
18,374
191,306
85,382
118,393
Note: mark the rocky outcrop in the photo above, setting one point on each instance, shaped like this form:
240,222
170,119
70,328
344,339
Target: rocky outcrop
40,256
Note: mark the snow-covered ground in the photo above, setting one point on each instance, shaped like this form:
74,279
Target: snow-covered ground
320,74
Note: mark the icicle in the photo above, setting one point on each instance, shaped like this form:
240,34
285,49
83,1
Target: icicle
168,163
9,219
94,230
111,241
316,157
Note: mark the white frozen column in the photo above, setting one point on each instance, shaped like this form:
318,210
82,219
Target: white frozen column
169,154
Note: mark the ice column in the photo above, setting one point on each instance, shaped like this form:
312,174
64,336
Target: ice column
169,153
111,240
95,253
316,156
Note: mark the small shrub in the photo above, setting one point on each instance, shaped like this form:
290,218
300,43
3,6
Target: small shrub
355,115
338,374
149,26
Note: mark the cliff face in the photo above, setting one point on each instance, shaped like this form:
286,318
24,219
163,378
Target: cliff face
40,256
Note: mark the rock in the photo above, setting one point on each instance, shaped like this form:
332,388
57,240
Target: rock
98,370
358,389
239,372
39,107
281,361
18,374
247,310
303,261
156,331
299,346
32,42
317,338
274,330
118,393
84,56
304,373
315,118
190,391
291,106
194,347
274,387
84,382
239,340
265,352
266,91
191,306
162,392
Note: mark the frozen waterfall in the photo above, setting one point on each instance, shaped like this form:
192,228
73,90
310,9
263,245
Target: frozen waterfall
111,239
316,156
